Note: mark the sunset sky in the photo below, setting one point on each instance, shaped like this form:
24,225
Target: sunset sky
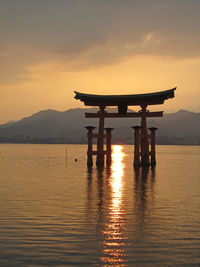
49,48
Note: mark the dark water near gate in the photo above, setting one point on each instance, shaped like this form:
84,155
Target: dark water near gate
54,212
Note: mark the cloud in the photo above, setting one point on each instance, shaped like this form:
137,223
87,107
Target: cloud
85,34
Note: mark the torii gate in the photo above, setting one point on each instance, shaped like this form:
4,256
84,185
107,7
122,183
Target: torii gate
141,136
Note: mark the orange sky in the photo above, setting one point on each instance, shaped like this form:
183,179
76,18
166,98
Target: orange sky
51,48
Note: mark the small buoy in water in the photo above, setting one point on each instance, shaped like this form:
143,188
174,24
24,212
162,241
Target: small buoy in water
76,160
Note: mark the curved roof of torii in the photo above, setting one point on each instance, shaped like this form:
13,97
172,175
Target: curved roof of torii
129,100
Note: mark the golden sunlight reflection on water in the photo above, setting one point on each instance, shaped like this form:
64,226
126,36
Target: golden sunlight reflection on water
116,179
113,246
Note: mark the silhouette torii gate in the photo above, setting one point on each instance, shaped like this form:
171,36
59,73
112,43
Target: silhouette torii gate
141,137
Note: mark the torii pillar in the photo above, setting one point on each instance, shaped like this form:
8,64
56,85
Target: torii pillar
144,137
100,138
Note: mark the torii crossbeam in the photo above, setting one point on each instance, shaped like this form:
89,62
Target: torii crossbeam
141,153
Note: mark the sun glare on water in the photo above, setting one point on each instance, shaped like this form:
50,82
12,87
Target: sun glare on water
114,243
117,175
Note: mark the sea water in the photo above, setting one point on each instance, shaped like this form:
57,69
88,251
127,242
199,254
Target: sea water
56,212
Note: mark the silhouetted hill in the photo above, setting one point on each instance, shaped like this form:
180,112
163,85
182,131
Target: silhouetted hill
51,126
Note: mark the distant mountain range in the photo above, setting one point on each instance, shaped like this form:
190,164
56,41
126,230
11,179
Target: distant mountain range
51,126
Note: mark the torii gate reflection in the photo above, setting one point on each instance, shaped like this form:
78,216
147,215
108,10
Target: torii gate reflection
142,156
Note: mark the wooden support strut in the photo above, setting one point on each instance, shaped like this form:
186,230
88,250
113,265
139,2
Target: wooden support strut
153,145
136,161
90,150
108,144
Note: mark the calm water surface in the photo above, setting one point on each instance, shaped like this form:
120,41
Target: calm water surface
54,212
